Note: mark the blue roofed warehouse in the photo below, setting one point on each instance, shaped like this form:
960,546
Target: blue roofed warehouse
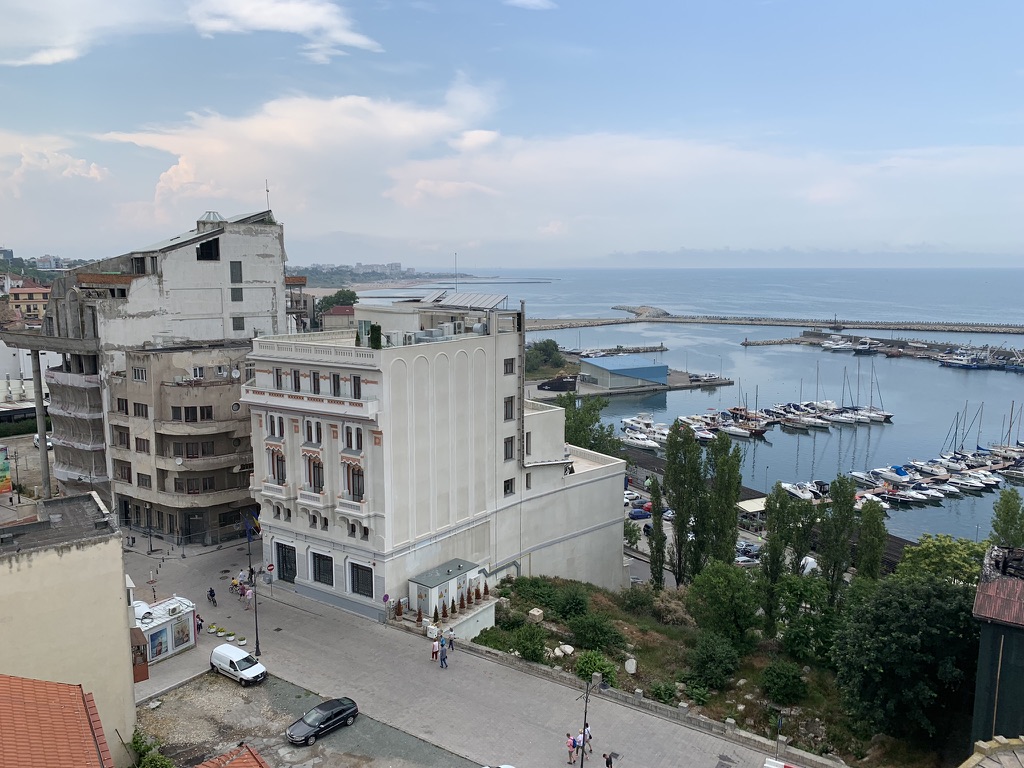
623,372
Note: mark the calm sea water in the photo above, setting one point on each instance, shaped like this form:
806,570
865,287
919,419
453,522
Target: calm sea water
929,401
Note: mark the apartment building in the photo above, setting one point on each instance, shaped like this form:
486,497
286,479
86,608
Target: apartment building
375,465
145,401
30,299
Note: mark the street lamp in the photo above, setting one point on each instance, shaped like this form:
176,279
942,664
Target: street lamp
596,680
149,524
255,598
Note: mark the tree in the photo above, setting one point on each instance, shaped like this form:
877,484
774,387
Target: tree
906,655
837,528
343,298
1008,520
657,538
723,466
631,533
583,425
713,659
809,621
778,511
957,561
544,354
871,540
684,489
803,516
722,599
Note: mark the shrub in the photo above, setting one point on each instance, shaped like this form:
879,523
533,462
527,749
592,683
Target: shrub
454,610
573,600
698,693
494,637
142,744
437,616
638,599
782,683
508,619
713,659
528,640
595,631
589,662
156,760
663,692
670,608
536,590
487,590
462,602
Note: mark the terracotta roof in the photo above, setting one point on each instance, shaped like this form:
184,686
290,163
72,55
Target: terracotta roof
46,724
1001,600
241,757
341,309
295,280
99,278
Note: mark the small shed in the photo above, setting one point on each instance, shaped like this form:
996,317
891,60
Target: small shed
623,372
169,626
439,586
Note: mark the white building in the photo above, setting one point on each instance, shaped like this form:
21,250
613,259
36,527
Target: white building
375,465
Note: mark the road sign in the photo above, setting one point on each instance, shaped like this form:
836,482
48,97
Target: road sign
386,598
270,568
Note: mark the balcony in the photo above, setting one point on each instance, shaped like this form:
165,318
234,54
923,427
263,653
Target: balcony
214,427
59,377
334,348
342,407
311,498
203,463
275,491
347,507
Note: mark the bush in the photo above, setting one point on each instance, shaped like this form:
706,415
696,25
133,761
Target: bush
713,659
663,692
528,640
589,662
537,590
508,619
156,760
573,600
782,683
670,608
638,599
495,638
596,632
698,693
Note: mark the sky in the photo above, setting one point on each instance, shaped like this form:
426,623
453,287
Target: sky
520,133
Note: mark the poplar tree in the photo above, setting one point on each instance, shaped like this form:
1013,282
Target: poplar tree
1008,520
723,466
685,489
838,524
657,538
871,540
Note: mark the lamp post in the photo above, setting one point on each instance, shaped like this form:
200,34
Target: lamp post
149,525
17,480
766,489
595,681
255,599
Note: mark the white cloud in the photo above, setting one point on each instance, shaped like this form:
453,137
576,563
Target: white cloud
532,5
40,33
24,157
470,141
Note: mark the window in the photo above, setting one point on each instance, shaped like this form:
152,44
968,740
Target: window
348,438
357,388
139,374
206,448
191,450
191,413
191,485
123,471
122,405
356,484
208,251
250,371
314,382
141,445
175,413
287,514
236,271
510,365
336,384
236,294
296,381
144,481
238,323
277,512
323,568
314,432
278,469
121,437
510,486
198,372
510,448
209,484
206,413
529,480
359,439
139,409
510,408
529,443
315,474
319,432
271,426
177,449
278,378
362,580
138,267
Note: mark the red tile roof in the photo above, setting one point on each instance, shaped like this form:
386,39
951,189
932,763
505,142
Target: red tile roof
341,309
1001,600
46,724
242,757
294,279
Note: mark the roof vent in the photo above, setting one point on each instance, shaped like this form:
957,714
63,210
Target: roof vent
212,217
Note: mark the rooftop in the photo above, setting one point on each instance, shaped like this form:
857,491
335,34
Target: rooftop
61,521
46,724
242,756
444,573
623,362
341,309
210,219
1000,596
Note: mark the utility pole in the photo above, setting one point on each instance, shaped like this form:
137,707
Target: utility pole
255,598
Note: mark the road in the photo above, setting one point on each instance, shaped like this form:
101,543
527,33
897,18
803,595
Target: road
478,709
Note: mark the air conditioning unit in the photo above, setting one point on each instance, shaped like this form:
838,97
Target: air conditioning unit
460,326
394,338
174,610
409,337
447,329
480,328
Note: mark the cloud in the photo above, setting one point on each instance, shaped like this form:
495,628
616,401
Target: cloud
24,157
45,33
532,5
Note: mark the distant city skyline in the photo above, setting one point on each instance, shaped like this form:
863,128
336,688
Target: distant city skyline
526,133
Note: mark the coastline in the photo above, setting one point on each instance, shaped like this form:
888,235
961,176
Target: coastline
377,286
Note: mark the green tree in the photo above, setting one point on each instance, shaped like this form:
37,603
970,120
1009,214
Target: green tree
809,622
657,539
837,527
631,533
1008,520
871,540
723,466
904,658
583,427
777,511
783,683
957,561
685,487
712,659
722,599
803,516
343,298
543,354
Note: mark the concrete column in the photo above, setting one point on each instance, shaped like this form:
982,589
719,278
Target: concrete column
44,456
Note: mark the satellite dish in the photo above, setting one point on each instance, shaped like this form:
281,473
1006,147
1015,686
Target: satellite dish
235,374
236,407
178,461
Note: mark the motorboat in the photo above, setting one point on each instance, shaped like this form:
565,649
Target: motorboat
790,424
704,435
865,497
864,478
812,422
989,479
733,430
1013,474
947,489
639,440
948,461
639,423
930,467
839,417
800,490
965,483
914,496
866,347
932,494
841,346
894,474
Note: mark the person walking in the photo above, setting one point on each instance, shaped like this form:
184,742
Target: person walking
607,761
570,744
444,656
587,738
451,639
581,742
199,624
434,649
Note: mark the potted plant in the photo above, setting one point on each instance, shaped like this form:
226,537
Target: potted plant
241,641
398,609
437,618
462,602
487,591
454,609
221,631
231,637
419,616
212,629
444,612
476,593
469,597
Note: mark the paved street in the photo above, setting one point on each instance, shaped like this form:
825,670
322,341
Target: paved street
478,709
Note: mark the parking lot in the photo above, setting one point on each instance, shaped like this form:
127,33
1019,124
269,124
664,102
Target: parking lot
212,714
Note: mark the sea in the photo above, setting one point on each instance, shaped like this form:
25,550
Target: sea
935,408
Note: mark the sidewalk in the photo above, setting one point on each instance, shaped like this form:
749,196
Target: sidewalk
474,709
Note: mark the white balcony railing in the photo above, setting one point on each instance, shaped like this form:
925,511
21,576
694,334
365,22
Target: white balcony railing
325,404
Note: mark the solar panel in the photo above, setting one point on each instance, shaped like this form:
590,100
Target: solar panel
473,300
433,296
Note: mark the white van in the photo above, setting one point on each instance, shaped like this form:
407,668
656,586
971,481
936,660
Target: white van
237,664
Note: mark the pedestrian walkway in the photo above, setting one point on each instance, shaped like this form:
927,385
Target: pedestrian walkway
481,710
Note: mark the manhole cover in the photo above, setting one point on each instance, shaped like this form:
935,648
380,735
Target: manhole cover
226,571
278,629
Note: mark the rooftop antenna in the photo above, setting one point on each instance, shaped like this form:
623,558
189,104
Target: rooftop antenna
266,183
456,271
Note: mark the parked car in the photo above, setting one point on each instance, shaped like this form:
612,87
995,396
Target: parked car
49,442
322,719
638,503
648,529
630,495
669,514
232,661
639,514
745,562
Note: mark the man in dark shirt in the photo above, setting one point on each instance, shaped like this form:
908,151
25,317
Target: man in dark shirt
607,761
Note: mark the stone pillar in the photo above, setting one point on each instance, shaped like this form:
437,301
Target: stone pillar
44,456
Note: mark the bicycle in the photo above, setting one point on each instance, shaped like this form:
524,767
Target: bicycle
212,597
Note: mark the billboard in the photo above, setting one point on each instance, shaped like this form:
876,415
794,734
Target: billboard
5,472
